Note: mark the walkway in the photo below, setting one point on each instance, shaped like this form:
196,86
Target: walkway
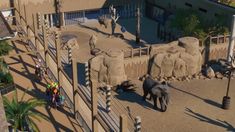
22,68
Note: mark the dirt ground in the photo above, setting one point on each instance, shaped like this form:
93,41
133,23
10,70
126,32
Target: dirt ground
195,106
105,42
22,68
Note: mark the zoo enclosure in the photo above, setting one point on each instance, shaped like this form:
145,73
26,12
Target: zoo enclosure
38,38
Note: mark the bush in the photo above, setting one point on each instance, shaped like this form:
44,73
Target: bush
8,79
4,48
192,24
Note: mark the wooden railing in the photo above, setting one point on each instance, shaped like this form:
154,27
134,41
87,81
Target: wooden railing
219,39
137,52
101,117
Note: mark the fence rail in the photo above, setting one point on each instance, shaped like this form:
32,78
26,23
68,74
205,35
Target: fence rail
219,39
137,52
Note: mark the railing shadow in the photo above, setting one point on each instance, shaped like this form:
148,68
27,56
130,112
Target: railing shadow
204,118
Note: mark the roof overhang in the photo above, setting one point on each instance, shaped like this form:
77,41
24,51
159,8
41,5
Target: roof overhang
5,29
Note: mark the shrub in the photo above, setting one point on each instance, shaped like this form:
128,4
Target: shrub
4,48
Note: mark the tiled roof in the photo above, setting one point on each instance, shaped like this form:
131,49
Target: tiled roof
3,121
5,30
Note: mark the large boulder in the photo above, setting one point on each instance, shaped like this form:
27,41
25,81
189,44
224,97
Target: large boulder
155,70
191,63
179,68
114,60
190,44
167,65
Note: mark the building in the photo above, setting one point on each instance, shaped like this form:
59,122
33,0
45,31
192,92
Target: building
5,30
159,9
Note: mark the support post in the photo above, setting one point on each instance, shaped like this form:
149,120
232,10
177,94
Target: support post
58,57
75,84
35,32
138,25
94,100
87,75
137,124
231,43
108,98
45,35
62,19
39,20
123,123
69,54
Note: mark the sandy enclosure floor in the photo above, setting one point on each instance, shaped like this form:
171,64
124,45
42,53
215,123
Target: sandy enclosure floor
105,42
194,107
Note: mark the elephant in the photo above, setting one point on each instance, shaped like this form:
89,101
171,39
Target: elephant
148,85
158,91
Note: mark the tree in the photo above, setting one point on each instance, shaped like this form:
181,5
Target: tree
21,113
4,48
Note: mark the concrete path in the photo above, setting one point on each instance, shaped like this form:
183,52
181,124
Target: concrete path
22,68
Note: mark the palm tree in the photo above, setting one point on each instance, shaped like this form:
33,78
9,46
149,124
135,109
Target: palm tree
21,113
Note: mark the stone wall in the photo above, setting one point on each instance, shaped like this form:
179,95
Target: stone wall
176,59
107,68
136,67
216,51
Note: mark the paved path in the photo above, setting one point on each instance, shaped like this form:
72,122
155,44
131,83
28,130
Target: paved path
22,68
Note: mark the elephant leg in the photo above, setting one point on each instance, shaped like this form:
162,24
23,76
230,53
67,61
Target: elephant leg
163,105
155,102
145,94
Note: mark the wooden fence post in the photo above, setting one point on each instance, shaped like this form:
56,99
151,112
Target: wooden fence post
123,123
45,41
35,32
58,57
94,100
132,54
217,40
75,84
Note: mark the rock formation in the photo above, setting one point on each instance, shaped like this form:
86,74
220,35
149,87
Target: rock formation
108,68
179,59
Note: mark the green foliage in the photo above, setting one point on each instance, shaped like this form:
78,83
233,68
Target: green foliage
21,113
4,48
8,79
192,24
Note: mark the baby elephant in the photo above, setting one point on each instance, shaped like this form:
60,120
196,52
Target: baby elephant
148,85
158,91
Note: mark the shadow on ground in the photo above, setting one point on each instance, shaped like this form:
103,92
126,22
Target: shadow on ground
216,122
134,97
208,101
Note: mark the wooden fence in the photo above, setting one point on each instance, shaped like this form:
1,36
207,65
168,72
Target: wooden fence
219,39
137,52
77,96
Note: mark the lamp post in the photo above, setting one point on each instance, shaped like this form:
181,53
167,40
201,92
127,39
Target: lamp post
226,98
